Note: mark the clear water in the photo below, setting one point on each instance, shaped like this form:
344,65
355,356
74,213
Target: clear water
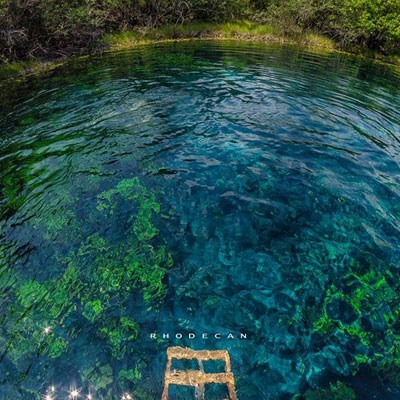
202,187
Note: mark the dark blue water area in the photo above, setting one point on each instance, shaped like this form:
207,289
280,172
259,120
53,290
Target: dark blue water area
269,175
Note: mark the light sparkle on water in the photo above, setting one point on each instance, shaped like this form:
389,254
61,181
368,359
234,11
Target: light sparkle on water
47,330
74,393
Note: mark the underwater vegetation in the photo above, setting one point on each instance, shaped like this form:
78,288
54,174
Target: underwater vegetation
336,391
97,281
365,309
202,187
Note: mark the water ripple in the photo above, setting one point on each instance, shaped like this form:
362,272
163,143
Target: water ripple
276,169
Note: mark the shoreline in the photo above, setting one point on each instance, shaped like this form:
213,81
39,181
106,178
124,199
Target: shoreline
239,32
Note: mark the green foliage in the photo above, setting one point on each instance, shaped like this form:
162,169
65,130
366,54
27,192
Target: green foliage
373,24
38,27
33,27
219,10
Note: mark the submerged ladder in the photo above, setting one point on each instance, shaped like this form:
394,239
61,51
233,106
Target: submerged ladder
198,378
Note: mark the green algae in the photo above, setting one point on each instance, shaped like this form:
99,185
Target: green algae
370,292
118,334
324,325
92,310
149,269
94,278
37,307
335,391
131,375
57,223
133,190
100,376
56,346
12,189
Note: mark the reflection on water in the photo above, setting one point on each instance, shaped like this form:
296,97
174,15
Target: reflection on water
208,188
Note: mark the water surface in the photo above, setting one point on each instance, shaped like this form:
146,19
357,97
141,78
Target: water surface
202,187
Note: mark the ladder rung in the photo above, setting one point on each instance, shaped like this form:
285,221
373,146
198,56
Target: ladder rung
203,355
198,378
194,378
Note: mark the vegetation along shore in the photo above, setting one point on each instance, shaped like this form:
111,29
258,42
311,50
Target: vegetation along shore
38,34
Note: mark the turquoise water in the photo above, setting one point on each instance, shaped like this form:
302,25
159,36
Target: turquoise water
202,187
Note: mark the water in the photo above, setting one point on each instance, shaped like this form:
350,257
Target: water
202,188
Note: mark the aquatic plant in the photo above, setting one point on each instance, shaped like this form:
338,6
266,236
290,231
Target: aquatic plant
132,375
11,191
118,333
98,276
270,213
101,376
335,391
362,308
56,346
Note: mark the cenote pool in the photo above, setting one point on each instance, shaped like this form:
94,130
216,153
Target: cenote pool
201,187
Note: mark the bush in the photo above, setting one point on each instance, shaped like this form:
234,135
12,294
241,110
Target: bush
374,24
219,10
31,28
